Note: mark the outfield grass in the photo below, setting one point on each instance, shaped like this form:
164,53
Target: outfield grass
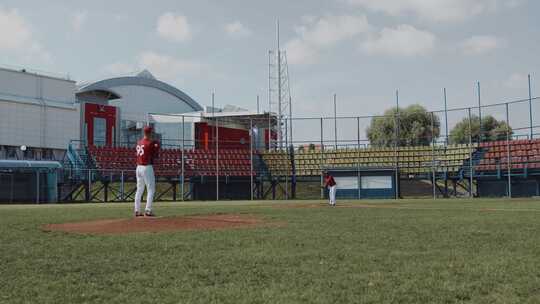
447,251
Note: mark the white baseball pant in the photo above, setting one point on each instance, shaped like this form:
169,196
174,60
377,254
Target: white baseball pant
332,194
145,177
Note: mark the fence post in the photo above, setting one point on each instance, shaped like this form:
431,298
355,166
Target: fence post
470,156
358,155
182,176
89,196
445,116
530,106
269,128
291,121
434,180
106,186
321,159
286,173
122,185
11,190
269,100
251,155
217,160
335,123
37,187
396,146
479,114
509,162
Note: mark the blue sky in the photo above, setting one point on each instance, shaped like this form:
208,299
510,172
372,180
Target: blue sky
362,50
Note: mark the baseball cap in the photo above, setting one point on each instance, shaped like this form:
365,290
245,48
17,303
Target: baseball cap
147,130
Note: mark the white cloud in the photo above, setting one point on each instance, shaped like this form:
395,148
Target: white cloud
237,30
327,31
434,10
167,67
478,45
17,38
36,52
78,19
513,3
174,27
405,40
15,32
163,67
120,17
317,33
119,68
517,81
300,52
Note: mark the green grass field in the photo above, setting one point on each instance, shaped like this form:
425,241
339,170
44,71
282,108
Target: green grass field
414,251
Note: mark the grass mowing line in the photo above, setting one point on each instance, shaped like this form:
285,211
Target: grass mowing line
435,208
216,220
415,204
277,202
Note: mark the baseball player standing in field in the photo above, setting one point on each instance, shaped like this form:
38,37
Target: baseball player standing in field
147,152
330,183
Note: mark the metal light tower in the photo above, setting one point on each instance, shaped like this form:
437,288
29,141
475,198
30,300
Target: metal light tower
279,90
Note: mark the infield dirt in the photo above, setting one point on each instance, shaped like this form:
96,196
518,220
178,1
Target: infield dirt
159,224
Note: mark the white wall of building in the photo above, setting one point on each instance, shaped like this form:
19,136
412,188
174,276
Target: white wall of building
37,111
30,86
39,126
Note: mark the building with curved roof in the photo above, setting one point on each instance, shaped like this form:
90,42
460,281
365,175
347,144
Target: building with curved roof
142,92
123,104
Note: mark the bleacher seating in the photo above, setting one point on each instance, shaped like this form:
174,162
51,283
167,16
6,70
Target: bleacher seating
419,159
524,153
411,160
278,162
232,162
308,162
112,158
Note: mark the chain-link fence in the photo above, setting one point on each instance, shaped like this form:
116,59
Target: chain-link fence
454,153
438,154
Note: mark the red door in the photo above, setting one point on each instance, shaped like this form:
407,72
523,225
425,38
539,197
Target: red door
100,123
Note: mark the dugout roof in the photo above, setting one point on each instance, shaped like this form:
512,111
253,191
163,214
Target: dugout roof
38,164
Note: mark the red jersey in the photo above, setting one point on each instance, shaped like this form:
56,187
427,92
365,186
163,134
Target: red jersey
329,181
147,151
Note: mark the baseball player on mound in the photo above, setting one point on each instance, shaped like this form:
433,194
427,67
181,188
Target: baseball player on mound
330,183
147,152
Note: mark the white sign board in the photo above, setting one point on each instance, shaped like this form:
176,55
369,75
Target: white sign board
346,182
376,182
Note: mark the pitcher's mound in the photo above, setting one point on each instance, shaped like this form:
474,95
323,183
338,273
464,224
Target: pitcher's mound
158,224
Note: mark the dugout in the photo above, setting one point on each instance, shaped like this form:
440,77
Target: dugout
204,188
29,181
521,187
364,183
